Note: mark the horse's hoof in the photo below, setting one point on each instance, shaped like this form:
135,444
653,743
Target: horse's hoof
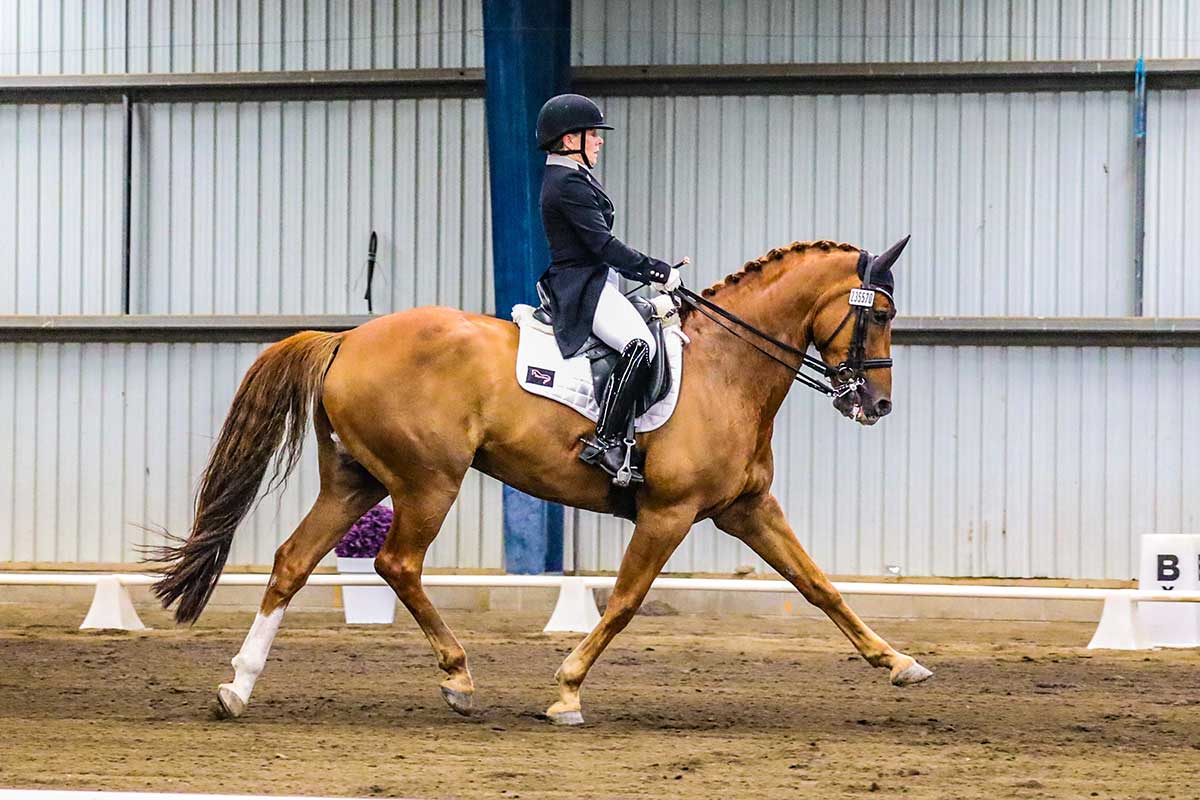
566,718
229,704
459,702
914,673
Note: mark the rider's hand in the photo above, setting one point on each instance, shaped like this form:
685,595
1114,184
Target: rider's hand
673,281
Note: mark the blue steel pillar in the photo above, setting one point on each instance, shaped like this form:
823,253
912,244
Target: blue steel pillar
526,61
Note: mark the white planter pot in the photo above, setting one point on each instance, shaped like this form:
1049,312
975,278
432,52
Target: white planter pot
366,605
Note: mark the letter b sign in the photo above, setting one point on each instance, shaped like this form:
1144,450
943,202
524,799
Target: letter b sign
1170,563
1168,568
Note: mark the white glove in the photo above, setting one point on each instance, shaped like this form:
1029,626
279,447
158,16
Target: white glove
673,281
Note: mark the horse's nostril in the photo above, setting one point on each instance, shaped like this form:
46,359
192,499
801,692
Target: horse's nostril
883,408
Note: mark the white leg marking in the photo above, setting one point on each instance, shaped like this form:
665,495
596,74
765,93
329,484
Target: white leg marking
249,662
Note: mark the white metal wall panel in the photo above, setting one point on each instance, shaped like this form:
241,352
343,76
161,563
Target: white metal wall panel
60,209
1172,203
102,441
617,32
1019,204
1013,462
246,207
102,36
266,208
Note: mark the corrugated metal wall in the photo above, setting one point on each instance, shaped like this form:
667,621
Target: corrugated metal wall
266,208
1022,461
99,440
248,208
617,32
1019,204
1173,203
60,209
74,36
91,36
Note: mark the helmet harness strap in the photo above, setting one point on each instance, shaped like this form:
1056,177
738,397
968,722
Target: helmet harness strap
582,151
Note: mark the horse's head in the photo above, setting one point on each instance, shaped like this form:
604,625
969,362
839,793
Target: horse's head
852,330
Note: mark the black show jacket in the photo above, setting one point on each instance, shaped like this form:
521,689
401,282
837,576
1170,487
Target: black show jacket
578,218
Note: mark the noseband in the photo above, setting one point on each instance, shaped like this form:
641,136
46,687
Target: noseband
848,376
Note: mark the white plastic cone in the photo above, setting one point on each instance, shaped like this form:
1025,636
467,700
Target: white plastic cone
575,611
112,607
1119,628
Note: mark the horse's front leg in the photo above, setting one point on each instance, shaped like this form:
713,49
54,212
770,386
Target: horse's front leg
655,537
759,522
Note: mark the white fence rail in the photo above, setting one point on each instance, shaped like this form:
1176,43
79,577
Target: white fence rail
575,610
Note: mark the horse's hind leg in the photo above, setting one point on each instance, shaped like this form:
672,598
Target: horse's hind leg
759,522
347,492
418,518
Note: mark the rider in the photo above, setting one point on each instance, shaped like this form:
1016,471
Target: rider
581,283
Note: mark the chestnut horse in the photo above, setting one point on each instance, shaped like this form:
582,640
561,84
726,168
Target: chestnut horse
405,404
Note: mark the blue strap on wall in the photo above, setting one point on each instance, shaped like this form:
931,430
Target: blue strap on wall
1139,188
526,61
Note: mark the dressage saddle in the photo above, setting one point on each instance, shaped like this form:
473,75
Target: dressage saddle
604,359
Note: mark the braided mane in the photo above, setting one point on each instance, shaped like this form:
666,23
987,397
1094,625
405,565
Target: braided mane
775,254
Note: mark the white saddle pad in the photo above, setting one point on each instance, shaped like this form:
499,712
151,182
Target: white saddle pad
542,370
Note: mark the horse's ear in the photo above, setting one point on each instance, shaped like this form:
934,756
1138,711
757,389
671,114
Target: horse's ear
879,271
884,261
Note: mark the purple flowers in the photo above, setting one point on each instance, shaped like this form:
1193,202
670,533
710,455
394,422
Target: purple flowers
366,536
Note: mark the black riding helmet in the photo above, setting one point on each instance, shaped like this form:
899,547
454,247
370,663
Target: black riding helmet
568,113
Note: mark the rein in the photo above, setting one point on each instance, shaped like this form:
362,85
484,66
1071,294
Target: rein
703,306
850,373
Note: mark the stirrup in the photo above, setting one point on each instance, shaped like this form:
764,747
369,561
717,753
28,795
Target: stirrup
627,473
608,456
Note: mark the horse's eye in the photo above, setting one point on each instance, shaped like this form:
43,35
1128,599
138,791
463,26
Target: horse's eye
882,317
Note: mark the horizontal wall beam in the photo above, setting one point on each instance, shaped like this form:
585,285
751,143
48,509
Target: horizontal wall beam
237,86
665,80
1049,331
169,328
886,78
970,331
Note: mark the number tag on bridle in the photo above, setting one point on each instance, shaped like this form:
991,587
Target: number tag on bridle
862,297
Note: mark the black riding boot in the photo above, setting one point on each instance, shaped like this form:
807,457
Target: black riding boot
612,448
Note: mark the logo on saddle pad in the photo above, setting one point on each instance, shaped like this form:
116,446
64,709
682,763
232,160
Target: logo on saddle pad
542,377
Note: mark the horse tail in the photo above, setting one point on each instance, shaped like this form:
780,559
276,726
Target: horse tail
266,424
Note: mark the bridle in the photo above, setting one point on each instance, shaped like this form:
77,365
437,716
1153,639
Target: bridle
848,376
862,302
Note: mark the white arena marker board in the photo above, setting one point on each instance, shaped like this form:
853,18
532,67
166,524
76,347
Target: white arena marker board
1170,563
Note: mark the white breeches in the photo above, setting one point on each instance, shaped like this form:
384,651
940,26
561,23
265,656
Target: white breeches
617,322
